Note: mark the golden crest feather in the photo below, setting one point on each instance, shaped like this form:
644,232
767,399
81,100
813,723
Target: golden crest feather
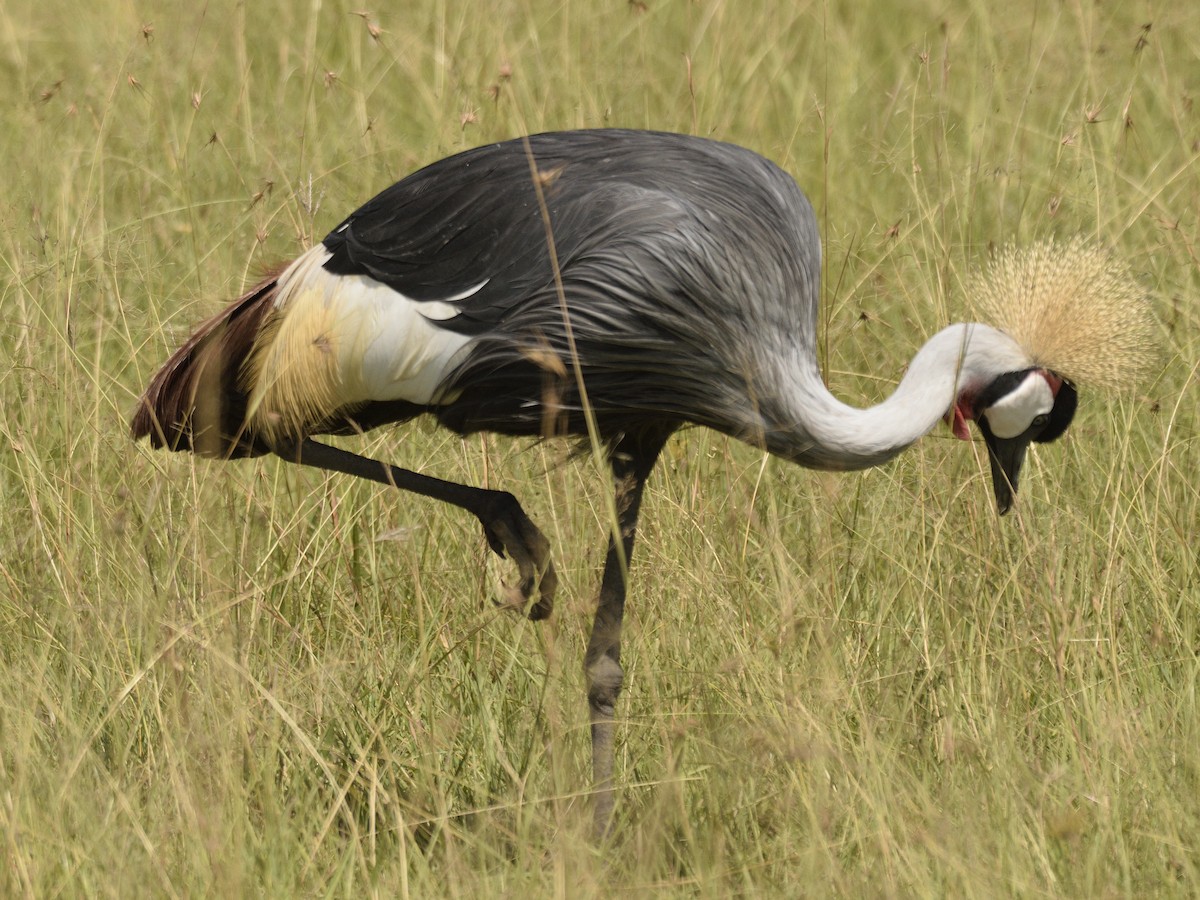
1073,306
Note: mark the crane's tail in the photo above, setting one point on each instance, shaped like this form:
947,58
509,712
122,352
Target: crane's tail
197,400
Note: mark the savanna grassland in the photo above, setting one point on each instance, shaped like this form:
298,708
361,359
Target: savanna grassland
248,679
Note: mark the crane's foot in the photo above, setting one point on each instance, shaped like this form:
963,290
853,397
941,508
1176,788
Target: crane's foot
510,533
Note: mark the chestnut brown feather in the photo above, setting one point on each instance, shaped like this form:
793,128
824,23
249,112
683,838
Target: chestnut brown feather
197,400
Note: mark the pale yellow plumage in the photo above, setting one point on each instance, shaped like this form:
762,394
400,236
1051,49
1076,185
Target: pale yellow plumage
294,365
1073,306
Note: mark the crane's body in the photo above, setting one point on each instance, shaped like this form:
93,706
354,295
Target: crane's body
440,296
612,283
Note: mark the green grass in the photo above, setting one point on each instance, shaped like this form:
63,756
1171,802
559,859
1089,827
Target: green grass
249,679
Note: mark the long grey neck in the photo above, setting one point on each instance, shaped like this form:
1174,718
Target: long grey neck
807,424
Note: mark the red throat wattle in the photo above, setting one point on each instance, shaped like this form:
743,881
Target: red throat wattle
1053,380
958,417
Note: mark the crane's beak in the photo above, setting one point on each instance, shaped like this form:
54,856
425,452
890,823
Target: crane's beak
1006,456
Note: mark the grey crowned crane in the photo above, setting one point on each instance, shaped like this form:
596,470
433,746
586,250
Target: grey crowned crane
610,285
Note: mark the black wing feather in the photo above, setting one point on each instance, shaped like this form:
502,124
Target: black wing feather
448,228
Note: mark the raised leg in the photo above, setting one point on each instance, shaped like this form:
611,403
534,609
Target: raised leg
631,464
508,530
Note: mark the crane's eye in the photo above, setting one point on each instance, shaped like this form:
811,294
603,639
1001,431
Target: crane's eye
1039,421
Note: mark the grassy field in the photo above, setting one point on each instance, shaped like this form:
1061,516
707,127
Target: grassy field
247,679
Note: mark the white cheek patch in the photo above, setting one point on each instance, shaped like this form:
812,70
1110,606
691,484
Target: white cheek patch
1013,413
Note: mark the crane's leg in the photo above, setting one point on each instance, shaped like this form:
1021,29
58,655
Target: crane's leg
507,528
632,461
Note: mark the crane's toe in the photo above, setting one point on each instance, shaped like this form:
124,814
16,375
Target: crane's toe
510,533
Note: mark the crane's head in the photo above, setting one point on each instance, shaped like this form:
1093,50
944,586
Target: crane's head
1074,314
1013,411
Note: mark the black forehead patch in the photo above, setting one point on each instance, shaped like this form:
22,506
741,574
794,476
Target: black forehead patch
1000,386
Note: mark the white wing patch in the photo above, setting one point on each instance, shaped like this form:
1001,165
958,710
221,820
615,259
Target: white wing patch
1013,413
338,341
388,347
469,292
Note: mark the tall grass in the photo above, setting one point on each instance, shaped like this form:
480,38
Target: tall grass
250,679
